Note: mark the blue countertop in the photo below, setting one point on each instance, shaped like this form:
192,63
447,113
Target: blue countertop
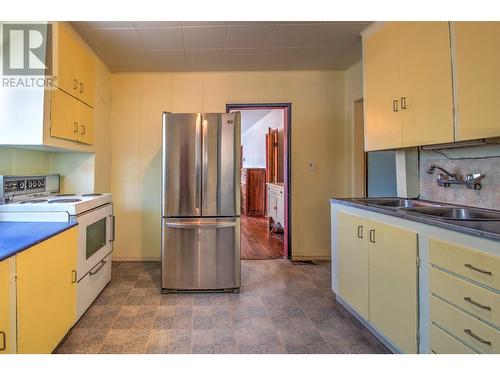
16,236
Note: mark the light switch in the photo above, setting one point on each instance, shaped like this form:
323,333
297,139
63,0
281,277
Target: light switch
311,165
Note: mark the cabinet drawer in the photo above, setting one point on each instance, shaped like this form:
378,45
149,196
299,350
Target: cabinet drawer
443,343
475,265
472,331
472,298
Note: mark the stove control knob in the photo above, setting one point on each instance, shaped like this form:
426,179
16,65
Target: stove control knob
30,184
20,185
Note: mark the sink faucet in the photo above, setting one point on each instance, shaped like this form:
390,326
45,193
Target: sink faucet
433,167
471,181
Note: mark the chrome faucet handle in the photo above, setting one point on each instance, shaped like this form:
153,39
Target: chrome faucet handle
474,176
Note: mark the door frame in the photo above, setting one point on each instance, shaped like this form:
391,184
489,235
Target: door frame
287,107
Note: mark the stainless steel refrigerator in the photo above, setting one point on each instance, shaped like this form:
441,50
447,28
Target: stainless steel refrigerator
200,242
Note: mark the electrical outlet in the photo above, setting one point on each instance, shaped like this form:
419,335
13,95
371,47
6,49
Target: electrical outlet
311,165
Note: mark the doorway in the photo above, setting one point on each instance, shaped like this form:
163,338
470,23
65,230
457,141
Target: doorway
265,179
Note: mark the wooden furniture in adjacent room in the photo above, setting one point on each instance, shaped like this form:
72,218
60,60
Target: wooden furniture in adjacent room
253,185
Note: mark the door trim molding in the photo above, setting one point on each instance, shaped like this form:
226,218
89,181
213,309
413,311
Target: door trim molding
288,160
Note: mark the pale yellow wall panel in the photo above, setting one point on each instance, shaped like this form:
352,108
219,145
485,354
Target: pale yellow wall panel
317,134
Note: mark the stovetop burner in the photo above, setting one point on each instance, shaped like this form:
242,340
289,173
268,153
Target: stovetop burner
69,200
34,201
91,194
65,195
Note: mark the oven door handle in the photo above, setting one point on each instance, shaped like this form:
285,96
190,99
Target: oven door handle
112,218
103,263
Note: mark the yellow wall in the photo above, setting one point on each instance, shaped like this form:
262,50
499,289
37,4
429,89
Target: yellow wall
318,118
353,92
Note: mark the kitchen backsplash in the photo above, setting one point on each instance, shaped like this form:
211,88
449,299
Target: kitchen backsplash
462,162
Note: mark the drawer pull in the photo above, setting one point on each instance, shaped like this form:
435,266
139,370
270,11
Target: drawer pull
470,266
470,300
74,277
360,231
471,334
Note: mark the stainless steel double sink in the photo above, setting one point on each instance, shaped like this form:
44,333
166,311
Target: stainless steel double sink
433,209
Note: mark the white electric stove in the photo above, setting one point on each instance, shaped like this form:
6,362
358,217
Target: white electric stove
38,198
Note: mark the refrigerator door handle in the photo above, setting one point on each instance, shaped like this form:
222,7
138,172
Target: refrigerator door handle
192,225
204,184
198,171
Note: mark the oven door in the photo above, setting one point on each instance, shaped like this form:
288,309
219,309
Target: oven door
95,237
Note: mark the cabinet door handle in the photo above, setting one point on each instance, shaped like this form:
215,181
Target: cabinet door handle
73,277
403,102
476,337
395,105
360,231
471,301
75,127
75,84
83,129
372,235
3,341
81,88
470,266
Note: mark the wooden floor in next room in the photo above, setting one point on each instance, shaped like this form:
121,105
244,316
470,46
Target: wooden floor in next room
256,240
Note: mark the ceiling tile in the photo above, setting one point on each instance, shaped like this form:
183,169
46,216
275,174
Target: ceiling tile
79,24
156,24
110,24
339,33
119,38
252,23
241,58
205,23
165,38
204,37
203,58
248,36
167,60
293,36
122,57
91,38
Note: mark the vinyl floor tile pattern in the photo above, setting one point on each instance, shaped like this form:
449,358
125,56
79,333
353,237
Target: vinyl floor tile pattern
282,308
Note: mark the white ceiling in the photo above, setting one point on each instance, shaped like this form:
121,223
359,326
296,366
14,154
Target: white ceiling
223,46
250,117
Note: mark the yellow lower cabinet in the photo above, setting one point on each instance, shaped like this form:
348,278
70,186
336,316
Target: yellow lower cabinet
353,262
46,292
7,306
443,343
393,284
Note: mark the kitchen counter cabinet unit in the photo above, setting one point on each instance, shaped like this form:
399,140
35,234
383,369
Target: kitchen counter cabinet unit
454,278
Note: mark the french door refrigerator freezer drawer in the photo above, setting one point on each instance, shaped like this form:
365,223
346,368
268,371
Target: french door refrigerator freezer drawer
201,254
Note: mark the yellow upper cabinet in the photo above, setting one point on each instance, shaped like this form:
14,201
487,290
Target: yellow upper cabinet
381,80
86,71
477,80
425,83
408,92
75,65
